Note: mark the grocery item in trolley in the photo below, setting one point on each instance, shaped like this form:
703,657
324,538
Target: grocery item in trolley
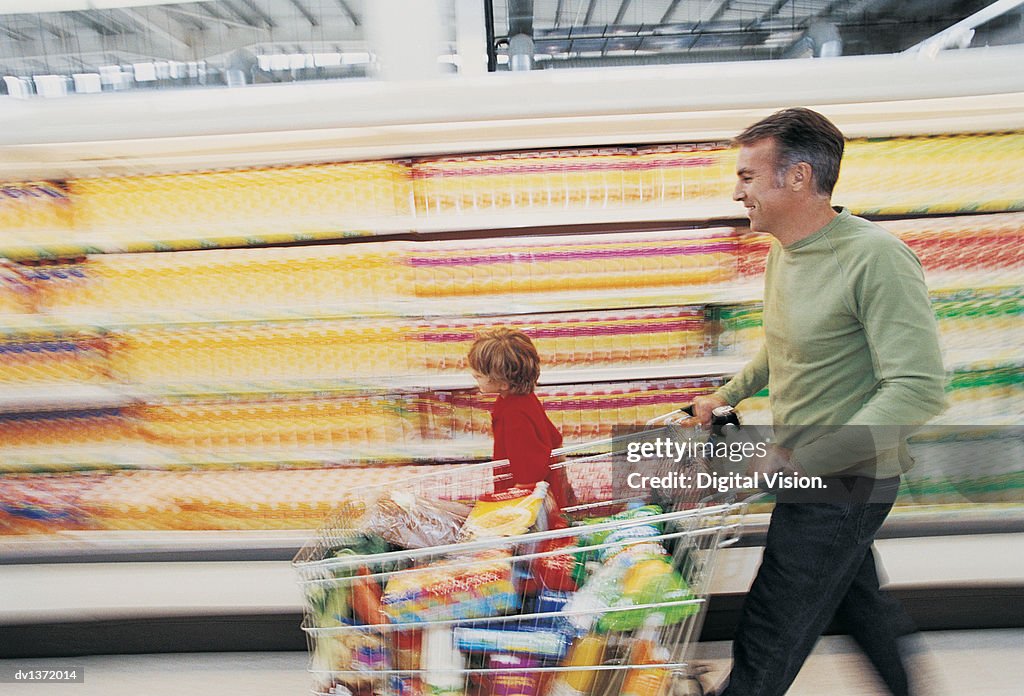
505,513
477,586
410,521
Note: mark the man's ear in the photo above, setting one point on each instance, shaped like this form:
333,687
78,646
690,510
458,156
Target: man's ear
800,176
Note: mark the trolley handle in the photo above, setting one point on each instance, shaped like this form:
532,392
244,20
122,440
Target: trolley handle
723,418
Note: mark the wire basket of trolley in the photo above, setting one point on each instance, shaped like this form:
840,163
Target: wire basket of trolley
443,586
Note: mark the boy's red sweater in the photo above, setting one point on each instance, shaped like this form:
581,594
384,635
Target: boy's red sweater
525,436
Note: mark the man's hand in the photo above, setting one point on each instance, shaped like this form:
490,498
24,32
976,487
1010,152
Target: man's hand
775,459
704,405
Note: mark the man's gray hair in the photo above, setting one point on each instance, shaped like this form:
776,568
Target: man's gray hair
801,135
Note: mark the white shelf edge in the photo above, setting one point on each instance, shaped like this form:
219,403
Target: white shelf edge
162,460
79,397
56,397
743,291
551,217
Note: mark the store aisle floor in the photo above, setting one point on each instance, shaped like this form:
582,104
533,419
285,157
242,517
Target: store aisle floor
986,663
952,663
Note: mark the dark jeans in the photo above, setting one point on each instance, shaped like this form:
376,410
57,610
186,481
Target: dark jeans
818,565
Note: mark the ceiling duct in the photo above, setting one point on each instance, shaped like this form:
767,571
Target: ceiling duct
820,40
662,58
240,68
520,34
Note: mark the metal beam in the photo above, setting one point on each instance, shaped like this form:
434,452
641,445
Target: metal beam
60,33
824,13
492,50
240,15
87,21
267,19
211,9
155,29
968,24
82,65
669,11
863,7
590,13
16,35
713,11
191,18
558,14
353,17
313,21
621,14
772,11
210,17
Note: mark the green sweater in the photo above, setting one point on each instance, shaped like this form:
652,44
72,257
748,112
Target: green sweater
850,339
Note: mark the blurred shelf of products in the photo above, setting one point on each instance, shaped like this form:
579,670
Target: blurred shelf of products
198,375
231,305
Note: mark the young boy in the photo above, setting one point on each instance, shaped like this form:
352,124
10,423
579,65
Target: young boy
505,362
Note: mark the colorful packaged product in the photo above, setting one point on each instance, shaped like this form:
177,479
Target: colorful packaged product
476,586
519,680
506,513
413,522
549,645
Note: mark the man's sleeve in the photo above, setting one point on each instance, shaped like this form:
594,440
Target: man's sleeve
748,381
889,295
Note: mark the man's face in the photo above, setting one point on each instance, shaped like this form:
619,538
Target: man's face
758,187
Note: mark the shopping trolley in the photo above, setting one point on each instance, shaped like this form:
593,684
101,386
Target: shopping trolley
609,605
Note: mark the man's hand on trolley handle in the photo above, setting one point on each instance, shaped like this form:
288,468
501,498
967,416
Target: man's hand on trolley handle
703,406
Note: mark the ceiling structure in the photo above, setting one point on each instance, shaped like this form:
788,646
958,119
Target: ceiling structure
92,46
603,32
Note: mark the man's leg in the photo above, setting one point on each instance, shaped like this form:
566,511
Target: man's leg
811,557
877,621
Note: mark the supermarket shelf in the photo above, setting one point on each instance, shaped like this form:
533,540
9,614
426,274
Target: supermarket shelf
498,219
743,291
140,455
523,222
76,397
1001,420
86,457
271,545
118,546
995,279
695,367
427,451
749,290
237,316
153,392
141,242
975,359
409,309
62,397
671,215
739,292
44,323
51,397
